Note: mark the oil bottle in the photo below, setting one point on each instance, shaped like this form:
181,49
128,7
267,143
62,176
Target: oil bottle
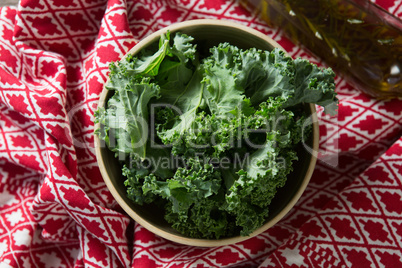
357,38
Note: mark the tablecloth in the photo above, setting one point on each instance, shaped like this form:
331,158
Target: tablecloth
55,210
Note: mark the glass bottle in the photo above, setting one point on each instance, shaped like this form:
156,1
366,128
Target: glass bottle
357,38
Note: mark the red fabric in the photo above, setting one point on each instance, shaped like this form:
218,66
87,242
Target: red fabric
55,210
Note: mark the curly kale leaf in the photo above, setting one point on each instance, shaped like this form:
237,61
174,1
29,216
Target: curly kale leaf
270,74
124,124
124,121
252,188
135,178
185,102
266,74
206,220
189,185
177,68
191,199
313,85
147,65
224,95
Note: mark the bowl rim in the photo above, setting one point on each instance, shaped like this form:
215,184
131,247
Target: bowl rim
200,241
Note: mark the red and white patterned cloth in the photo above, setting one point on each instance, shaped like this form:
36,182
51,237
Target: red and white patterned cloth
55,210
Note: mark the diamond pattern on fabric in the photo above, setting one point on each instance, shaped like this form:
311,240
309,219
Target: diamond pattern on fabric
55,209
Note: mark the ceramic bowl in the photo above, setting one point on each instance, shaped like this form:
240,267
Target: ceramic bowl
208,33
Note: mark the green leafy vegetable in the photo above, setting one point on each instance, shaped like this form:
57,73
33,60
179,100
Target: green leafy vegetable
218,132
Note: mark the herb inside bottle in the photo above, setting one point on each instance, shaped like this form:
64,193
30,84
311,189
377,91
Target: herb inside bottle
357,38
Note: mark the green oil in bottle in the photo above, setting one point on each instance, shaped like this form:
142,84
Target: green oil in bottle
358,39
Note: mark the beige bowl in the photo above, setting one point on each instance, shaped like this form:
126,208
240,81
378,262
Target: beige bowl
208,33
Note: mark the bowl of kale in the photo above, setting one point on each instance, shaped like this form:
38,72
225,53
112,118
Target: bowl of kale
206,131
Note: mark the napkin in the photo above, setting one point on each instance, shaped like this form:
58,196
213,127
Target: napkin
55,209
